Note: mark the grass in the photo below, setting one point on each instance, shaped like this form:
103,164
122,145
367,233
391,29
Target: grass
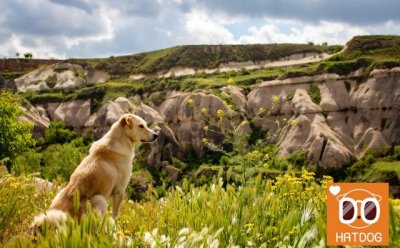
383,53
388,166
201,56
287,211
315,93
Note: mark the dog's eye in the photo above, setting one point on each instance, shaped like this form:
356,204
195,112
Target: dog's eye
141,126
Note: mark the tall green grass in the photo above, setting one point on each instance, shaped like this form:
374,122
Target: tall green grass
289,211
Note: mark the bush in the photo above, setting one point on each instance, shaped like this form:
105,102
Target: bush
289,211
298,159
359,169
19,203
57,133
28,162
346,67
15,136
314,93
290,95
61,160
51,81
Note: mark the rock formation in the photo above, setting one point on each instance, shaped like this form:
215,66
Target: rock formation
350,116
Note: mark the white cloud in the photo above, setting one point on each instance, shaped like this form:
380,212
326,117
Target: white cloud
331,32
93,28
40,49
199,28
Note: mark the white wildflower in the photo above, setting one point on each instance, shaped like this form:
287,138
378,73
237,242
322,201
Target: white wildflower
148,239
184,231
306,215
311,234
212,243
213,188
164,240
234,219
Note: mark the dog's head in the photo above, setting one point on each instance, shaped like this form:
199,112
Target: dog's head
136,129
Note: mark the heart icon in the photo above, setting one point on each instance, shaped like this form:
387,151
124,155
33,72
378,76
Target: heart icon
334,190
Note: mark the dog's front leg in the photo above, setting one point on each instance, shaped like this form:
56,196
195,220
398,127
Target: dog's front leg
117,197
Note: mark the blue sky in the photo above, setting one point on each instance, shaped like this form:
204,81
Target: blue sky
101,28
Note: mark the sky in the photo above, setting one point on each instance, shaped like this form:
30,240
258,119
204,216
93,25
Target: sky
103,28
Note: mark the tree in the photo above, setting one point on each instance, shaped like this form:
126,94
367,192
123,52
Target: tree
28,55
15,135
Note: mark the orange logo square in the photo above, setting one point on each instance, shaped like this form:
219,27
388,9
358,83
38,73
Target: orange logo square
358,214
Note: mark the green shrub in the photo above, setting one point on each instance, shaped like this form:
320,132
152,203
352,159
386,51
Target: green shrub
290,95
51,81
347,66
28,162
387,64
357,170
61,160
298,159
57,133
19,203
314,93
15,136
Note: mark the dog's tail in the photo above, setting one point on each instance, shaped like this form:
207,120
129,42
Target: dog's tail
52,217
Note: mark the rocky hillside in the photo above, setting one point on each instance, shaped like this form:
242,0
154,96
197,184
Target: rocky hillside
339,105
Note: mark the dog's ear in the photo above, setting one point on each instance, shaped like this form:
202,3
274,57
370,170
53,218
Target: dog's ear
127,121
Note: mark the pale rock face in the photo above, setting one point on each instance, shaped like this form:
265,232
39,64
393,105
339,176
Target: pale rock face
372,139
150,115
329,96
302,103
94,76
244,128
65,76
35,80
110,113
236,93
359,115
74,114
186,121
37,116
337,122
68,80
312,133
378,92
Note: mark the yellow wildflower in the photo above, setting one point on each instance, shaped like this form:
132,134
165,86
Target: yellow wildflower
205,128
204,140
220,113
261,110
249,225
204,110
277,122
190,101
119,234
293,122
275,99
229,81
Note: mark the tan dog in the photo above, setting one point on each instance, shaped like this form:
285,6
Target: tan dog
103,174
